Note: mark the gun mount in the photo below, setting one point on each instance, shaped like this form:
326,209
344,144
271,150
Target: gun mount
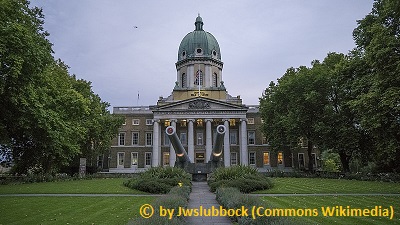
182,158
199,171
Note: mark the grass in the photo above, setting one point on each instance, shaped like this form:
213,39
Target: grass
322,186
94,186
334,186
70,210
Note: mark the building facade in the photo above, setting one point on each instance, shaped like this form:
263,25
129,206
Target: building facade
198,104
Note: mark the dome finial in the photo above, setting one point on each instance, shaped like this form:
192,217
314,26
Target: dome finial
199,23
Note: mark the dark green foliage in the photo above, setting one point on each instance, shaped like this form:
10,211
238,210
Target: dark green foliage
245,178
159,180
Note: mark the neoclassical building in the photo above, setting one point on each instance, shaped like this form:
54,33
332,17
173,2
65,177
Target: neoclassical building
198,104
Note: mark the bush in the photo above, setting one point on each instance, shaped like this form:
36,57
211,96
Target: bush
159,180
245,178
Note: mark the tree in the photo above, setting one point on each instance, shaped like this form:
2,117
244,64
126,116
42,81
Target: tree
378,104
293,108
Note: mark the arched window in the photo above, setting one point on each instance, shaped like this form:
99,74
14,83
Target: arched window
215,80
183,80
198,78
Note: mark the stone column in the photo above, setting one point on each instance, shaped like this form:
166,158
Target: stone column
156,143
190,140
172,154
208,139
227,145
244,157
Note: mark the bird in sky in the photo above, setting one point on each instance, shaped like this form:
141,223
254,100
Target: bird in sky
135,27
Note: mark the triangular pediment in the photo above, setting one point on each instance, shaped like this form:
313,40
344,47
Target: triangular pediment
200,104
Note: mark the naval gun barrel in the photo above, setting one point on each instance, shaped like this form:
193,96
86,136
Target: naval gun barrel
219,140
180,151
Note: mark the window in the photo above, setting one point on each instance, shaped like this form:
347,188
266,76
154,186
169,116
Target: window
198,78
134,158
232,122
314,159
250,120
266,158
166,159
251,137
233,158
120,159
183,138
252,158
233,137
199,122
135,138
215,80
183,80
264,140
280,158
121,139
149,138
199,138
135,121
167,123
183,123
300,157
147,159
149,122
166,139
100,161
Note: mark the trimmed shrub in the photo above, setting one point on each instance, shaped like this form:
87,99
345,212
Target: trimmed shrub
245,178
159,180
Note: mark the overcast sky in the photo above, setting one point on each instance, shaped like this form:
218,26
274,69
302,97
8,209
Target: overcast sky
259,41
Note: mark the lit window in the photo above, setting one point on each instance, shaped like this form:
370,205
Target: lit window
166,159
147,158
266,158
280,158
135,138
121,139
252,158
134,158
233,158
199,122
232,122
149,138
183,123
250,120
135,121
167,123
251,137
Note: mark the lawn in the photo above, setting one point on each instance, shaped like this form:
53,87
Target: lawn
70,210
322,186
94,186
335,186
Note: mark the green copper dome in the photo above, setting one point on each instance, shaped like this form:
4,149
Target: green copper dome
199,43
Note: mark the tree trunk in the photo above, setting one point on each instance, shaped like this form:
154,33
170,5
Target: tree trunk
344,159
309,151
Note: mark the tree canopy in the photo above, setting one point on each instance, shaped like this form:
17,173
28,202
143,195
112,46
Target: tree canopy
48,117
348,103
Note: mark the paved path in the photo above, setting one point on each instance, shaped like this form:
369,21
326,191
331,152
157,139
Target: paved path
201,196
